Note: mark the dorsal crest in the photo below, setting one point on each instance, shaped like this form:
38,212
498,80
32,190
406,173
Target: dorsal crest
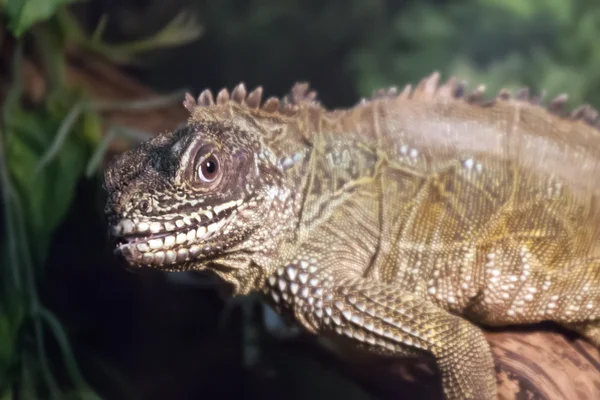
430,88
299,96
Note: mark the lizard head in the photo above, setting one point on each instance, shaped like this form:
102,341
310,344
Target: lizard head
186,198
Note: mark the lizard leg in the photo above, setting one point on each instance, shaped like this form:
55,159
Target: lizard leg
385,319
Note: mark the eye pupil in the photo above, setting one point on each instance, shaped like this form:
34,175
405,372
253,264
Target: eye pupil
209,169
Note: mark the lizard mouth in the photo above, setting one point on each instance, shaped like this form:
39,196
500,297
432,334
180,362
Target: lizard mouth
174,241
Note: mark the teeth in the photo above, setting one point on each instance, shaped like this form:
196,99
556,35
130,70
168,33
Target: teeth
143,247
156,227
155,243
191,235
213,227
169,226
163,256
194,250
226,206
221,207
159,257
169,241
127,226
143,227
182,255
170,257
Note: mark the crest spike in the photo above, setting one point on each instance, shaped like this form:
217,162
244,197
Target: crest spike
477,95
299,94
446,90
271,105
223,97
206,98
558,103
504,94
585,113
254,98
238,94
427,86
189,102
406,91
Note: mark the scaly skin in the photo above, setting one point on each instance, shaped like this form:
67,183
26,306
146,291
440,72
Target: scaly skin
395,226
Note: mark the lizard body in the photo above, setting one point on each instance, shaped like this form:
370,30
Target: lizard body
395,226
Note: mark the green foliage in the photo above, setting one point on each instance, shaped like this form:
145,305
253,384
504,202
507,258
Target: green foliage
47,191
45,151
34,204
22,14
547,45
180,30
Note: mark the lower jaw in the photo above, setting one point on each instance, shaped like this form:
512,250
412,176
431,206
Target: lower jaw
171,249
159,257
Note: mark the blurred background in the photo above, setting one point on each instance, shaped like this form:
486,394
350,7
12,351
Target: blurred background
83,80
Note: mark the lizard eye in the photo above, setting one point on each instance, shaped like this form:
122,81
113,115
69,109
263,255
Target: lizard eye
208,168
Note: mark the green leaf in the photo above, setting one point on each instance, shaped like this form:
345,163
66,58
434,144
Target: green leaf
182,29
22,14
69,169
47,152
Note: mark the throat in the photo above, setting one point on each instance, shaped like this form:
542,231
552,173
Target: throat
242,273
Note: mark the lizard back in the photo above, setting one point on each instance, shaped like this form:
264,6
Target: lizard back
479,205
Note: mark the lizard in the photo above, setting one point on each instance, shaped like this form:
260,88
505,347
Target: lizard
398,227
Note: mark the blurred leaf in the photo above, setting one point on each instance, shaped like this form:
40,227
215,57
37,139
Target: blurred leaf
92,130
67,172
66,126
98,155
47,192
181,30
61,336
22,14
548,45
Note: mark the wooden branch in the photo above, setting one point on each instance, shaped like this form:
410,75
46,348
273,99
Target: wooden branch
545,365
536,364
